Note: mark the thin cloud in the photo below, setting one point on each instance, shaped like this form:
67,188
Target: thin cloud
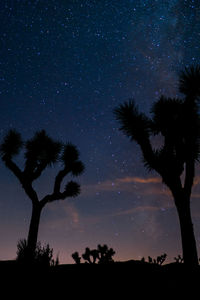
135,210
139,180
68,219
141,185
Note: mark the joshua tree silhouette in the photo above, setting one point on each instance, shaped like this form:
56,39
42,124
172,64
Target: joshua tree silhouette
40,152
178,121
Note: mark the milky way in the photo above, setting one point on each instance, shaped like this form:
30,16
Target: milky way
64,67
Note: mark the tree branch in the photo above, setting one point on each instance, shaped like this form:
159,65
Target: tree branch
52,197
14,168
148,154
33,171
30,191
57,195
72,189
23,179
38,171
58,180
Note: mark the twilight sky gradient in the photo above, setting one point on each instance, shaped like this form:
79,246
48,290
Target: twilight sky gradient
64,66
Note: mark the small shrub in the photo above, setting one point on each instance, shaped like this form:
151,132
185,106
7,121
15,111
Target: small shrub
158,261
21,250
179,259
161,259
105,254
43,254
101,255
76,257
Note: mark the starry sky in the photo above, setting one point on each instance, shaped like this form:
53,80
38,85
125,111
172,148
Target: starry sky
64,67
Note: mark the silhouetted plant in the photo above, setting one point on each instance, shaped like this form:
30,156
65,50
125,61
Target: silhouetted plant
86,255
159,260
151,260
76,257
179,259
43,255
101,255
22,250
40,152
90,256
178,121
56,262
94,255
105,254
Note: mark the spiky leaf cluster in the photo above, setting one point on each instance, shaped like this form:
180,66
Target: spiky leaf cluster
167,116
189,81
70,159
42,150
11,145
72,189
134,124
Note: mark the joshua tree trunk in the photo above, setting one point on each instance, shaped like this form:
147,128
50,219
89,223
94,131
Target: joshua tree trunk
33,230
189,248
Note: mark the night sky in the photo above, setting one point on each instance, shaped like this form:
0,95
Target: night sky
64,67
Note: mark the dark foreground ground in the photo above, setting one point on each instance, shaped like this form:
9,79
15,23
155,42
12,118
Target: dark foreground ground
124,280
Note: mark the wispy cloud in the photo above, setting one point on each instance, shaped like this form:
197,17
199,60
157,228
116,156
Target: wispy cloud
141,185
139,180
136,209
72,213
65,215
154,197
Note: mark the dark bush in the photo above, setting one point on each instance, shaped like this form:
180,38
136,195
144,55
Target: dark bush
76,257
43,254
159,260
101,255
